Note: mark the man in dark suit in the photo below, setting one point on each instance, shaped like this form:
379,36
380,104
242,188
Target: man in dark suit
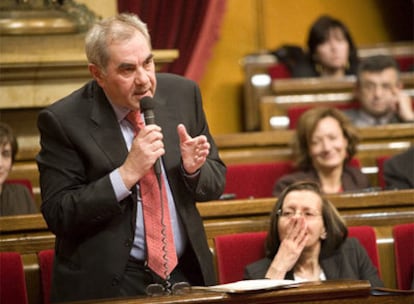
399,170
91,163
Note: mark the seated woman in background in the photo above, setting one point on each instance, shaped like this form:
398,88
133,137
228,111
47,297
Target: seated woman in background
324,143
307,241
14,198
331,51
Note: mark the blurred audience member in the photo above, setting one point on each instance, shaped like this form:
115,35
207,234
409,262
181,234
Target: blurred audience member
399,170
14,198
331,51
323,146
307,241
331,48
379,93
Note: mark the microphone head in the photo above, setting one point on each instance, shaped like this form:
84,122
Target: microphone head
146,103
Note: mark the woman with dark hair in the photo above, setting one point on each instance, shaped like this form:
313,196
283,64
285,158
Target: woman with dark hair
331,51
14,198
325,141
307,241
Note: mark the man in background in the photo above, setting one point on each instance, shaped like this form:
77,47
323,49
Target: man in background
379,93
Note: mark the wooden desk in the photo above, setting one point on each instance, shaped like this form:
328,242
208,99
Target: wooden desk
354,292
314,85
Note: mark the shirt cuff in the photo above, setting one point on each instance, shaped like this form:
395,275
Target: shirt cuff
121,191
193,175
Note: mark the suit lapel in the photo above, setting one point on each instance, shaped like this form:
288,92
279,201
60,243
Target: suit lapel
105,129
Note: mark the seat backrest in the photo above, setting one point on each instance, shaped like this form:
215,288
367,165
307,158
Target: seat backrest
235,251
380,164
255,180
46,258
405,63
22,181
12,280
368,239
404,254
279,71
355,162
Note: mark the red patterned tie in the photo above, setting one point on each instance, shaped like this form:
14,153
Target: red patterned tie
161,253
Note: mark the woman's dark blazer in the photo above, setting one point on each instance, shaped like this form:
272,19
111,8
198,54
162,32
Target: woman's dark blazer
350,261
81,143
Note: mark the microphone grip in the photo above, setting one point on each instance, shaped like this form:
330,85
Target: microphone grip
149,117
157,168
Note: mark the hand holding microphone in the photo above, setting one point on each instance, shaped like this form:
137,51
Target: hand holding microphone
146,149
147,108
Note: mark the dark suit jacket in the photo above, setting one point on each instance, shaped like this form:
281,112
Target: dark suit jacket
352,179
350,261
399,170
81,143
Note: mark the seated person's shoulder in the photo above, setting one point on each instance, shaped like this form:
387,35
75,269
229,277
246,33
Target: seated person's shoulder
360,179
17,199
257,270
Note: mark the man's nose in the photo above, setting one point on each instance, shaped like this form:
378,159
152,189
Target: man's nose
141,76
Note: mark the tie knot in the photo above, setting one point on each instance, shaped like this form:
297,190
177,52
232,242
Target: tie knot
134,117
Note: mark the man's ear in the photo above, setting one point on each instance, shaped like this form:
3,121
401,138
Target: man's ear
95,72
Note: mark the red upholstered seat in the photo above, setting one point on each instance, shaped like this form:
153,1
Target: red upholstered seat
255,180
235,251
279,71
368,239
12,280
404,254
22,181
46,266
380,164
406,63
355,162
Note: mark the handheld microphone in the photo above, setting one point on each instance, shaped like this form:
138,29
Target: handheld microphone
147,107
